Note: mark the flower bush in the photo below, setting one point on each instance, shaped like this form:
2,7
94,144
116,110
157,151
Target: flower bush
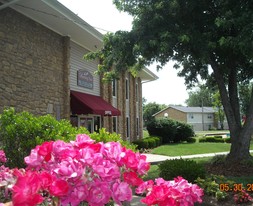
176,192
85,172
242,197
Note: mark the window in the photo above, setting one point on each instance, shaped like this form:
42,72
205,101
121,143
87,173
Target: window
209,116
127,89
191,116
114,124
127,127
137,92
114,87
137,126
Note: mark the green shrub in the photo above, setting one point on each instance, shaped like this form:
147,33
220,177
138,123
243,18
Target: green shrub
165,128
203,139
209,185
191,140
170,130
218,159
21,132
141,144
188,169
212,139
183,132
228,140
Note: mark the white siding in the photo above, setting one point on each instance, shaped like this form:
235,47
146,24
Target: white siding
77,62
200,122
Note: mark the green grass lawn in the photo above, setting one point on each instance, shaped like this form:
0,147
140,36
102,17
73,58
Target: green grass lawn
192,148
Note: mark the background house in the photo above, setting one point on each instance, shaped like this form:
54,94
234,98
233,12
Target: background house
42,70
200,118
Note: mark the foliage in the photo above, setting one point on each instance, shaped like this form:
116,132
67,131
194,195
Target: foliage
170,130
188,169
219,114
147,143
214,139
191,140
183,132
163,127
245,91
104,136
211,185
149,110
201,97
20,132
211,40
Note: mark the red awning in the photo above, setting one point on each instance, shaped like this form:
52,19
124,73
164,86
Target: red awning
82,103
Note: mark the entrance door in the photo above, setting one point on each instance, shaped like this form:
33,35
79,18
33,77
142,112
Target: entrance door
87,122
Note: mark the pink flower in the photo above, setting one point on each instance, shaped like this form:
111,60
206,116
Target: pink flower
176,192
26,190
3,158
130,160
145,187
121,192
132,178
99,193
34,159
59,188
82,140
45,180
45,150
106,170
113,151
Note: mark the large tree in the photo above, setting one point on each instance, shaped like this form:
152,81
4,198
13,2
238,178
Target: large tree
207,39
200,96
150,109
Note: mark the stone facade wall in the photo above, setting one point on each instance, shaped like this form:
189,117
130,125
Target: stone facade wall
34,67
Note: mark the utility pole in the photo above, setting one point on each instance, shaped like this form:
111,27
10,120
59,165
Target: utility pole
203,126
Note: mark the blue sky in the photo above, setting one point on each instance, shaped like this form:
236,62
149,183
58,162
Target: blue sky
102,14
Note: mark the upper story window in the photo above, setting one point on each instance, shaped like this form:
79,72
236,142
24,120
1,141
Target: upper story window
209,116
114,87
127,89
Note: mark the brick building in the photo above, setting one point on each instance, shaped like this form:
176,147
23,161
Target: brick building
42,70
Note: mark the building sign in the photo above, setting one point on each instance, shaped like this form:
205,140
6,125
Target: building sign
84,79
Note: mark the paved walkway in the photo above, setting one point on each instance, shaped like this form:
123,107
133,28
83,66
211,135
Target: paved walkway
156,159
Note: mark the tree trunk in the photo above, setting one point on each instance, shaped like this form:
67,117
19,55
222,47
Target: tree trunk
240,135
240,146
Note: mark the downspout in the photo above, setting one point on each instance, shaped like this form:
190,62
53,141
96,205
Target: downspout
3,6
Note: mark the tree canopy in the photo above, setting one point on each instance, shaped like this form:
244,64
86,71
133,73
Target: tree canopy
202,96
210,39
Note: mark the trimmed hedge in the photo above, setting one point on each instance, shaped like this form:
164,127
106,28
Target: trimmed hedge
147,143
215,139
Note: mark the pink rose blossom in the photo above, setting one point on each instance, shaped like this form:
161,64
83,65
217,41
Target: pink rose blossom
26,190
3,158
121,192
59,188
132,178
